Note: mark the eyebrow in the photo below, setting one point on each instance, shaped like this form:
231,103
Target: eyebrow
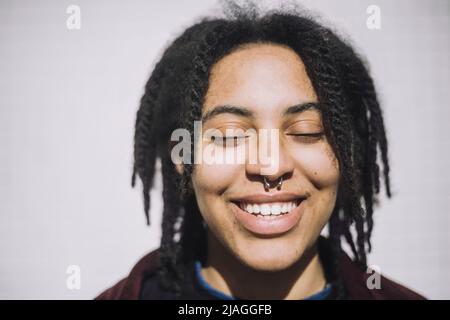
244,112
240,111
298,108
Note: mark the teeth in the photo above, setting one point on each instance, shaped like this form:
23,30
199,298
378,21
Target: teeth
275,209
269,209
265,209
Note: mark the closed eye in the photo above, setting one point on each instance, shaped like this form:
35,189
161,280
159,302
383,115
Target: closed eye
311,134
231,141
307,137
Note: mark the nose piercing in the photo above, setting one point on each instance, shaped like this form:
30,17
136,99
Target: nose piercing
267,184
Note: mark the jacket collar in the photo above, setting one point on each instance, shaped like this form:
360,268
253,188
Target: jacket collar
354,278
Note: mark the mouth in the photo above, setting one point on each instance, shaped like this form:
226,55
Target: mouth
269,209
269,215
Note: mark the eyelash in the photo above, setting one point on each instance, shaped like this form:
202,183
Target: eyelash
307,137
237,140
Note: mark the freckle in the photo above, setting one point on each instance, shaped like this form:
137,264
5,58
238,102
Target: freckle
315,173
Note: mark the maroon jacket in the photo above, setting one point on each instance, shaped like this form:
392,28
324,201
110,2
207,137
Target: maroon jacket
354,281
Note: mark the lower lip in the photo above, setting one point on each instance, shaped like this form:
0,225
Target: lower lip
269,225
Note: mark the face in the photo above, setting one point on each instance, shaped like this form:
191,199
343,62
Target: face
265,87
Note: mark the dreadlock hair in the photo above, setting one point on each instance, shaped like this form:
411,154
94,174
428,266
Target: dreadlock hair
351,114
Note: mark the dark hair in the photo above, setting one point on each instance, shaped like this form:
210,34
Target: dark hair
351,115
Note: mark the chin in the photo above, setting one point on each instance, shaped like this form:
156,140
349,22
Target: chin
270,255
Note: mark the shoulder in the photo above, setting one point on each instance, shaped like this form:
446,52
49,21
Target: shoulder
130,287
355,281
395,291
358,284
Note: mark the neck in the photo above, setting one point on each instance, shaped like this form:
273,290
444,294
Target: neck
228,275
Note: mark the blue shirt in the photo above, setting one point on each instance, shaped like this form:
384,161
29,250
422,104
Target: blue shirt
321,295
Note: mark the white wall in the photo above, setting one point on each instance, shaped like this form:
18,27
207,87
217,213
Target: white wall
67,108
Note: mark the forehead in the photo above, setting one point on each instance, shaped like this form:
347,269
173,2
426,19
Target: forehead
261,77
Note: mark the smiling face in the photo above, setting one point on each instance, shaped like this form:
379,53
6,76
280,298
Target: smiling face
265,86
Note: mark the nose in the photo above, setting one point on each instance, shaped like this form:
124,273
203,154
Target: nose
272,161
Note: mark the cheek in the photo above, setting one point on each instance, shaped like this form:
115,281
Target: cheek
214,179
321,168
210,181
214,174
319,164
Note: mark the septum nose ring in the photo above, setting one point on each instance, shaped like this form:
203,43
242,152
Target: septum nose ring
267,184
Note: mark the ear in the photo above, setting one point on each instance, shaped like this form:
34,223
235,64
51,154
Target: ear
180,168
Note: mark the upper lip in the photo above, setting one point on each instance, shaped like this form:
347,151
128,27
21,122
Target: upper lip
267,197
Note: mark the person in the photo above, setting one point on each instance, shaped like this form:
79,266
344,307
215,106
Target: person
252,229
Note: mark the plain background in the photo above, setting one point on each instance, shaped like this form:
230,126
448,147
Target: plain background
67,108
